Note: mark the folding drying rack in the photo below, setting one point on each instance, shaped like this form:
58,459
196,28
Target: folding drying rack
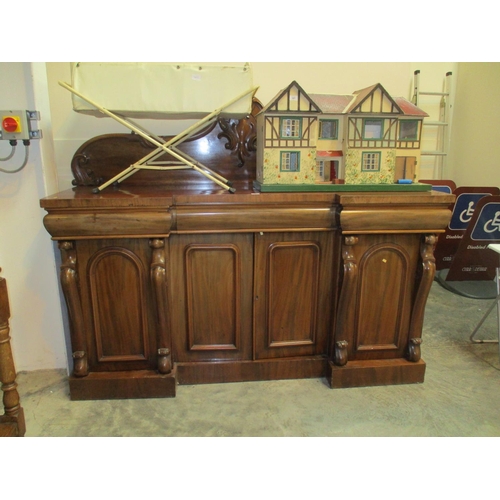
151,161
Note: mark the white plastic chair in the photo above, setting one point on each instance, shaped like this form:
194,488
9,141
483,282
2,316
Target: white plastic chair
496,248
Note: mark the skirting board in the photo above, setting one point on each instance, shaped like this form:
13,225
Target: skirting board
244,371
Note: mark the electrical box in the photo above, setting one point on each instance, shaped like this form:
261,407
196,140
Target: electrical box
15,125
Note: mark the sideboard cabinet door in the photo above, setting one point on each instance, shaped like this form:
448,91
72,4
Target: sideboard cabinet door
294,286
383,270
211,296
117,304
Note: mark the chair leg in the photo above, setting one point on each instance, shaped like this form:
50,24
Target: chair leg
496,303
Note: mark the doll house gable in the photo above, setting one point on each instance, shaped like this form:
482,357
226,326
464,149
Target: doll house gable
382,140
287,131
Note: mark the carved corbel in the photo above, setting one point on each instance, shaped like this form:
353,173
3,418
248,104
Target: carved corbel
428,270
345,312
347,255
80,364
159,284
340,353
414,350
71,291
164,361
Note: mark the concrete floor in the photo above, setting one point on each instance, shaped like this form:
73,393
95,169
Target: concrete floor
460,396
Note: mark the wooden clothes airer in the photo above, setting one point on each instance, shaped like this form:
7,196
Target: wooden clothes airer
150,161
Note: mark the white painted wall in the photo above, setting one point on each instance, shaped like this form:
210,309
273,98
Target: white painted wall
475,137
26,251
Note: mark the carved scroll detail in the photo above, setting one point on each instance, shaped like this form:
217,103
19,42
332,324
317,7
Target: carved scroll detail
83,175
241,134
345,317
340,353
159,284
414,350
71,291
428,271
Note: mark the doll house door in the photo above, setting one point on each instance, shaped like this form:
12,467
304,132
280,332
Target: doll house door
405,168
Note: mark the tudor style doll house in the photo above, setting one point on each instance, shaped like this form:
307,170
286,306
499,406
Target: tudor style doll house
314,141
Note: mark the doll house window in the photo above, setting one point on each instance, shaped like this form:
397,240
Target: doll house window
408,130
373,129
290,127
290,161
328,129
320,170
371,162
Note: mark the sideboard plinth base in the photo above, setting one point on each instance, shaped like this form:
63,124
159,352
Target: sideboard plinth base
123,385
376,372
246,371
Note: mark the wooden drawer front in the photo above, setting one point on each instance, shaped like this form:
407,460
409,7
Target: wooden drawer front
358,220
292,289
238,218
211,294
107,223
117,303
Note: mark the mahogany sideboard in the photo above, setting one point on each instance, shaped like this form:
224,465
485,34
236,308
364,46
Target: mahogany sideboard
169,279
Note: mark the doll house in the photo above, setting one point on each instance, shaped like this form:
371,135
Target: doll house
321,141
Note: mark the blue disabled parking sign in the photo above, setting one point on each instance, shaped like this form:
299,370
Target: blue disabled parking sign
464,210
487,226
467,200
473,261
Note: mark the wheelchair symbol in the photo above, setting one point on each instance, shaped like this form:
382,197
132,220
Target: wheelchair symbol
493,224
469,212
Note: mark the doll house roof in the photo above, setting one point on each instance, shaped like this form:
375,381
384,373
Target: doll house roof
349,103
408,108
360,96
330,103
281,102
399,105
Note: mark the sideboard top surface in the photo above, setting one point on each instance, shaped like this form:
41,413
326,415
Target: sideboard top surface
147,196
